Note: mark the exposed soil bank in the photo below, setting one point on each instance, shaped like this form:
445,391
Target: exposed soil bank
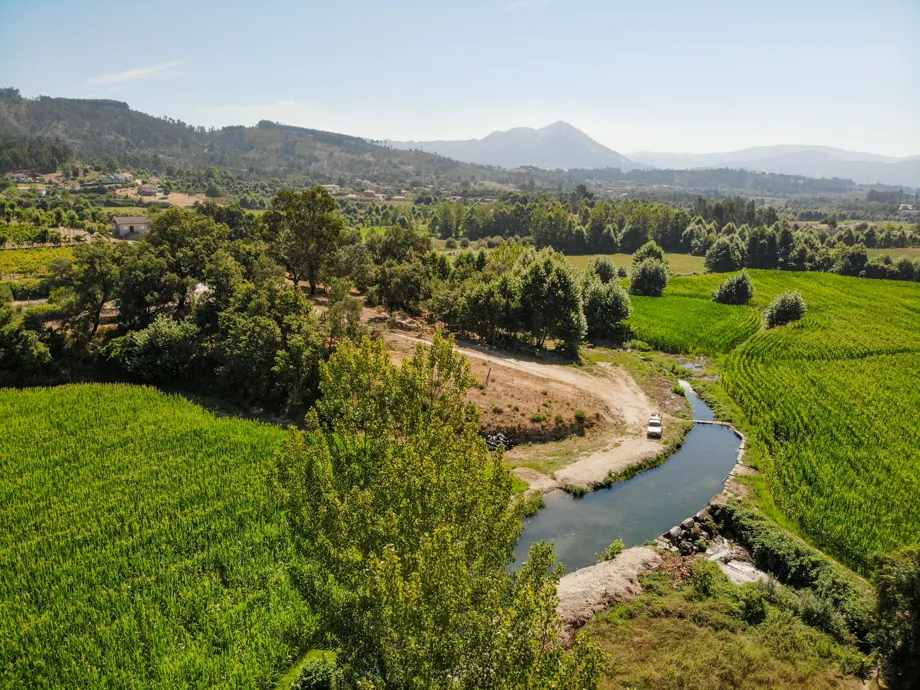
590,590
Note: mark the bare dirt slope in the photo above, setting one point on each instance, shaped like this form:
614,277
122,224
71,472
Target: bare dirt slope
620,396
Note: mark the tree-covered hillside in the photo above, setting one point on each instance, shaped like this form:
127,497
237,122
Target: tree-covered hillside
104,129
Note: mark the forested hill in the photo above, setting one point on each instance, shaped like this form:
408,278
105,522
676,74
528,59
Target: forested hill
103,128
43,133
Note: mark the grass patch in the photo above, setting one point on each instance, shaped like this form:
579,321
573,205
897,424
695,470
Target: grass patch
678,264
705,632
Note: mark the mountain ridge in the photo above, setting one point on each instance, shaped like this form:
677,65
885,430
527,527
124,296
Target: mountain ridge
558,145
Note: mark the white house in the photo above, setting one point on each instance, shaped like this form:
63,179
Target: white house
130,227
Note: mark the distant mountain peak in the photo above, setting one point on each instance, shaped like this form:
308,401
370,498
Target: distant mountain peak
557,145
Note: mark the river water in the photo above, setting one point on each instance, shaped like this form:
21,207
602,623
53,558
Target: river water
639,509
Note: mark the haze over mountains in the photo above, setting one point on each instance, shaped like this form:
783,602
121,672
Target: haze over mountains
560,145
811,161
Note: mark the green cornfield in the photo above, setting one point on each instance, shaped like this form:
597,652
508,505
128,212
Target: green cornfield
682,325
834,399
140,545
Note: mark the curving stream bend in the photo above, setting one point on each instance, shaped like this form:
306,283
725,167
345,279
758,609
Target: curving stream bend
641,508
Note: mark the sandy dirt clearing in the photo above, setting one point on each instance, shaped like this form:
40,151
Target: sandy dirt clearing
617,391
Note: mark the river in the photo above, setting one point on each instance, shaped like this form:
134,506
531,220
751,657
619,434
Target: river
642,508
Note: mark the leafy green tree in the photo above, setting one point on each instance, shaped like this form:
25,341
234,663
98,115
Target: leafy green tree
269,345
402,518
738,289
650,277
343,312
551,300
146,286
306,228
761,249
187,241
851,261
724,255
91,280
897,581
606,306
166,349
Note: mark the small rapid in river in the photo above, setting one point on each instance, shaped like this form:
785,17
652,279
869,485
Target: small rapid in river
642,508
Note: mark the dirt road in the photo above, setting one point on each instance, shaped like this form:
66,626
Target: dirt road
618,392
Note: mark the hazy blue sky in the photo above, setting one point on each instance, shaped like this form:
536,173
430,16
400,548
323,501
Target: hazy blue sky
659,75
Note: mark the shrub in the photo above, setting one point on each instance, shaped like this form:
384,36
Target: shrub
451,243
319,674
464,243
706,576
559,419
786,308
580,416
820,613
538,418
737,289
649,250
649,278
897,579
612,551
497,409
679,390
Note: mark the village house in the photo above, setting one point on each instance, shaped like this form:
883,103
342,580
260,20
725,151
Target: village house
333,189
130,227
147,190
123,177
21,177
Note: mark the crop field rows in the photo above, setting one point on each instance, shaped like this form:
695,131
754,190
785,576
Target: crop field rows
142,542
832,397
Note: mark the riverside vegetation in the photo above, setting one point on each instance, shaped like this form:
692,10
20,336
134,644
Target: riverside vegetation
203,302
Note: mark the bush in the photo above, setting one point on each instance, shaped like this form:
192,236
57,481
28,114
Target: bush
612,551
538,418
319,674
706,577
580,416
604,268
464,243
897,579
649,250
559,420
649,278
451,243
786,308
820,613
737,289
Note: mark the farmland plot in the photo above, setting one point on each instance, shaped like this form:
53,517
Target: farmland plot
140,544
834,398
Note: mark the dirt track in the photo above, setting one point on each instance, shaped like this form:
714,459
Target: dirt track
618,392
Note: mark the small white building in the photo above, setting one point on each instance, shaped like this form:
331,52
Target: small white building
130,227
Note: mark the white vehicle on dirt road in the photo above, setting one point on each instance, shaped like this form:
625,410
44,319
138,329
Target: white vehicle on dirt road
654,426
